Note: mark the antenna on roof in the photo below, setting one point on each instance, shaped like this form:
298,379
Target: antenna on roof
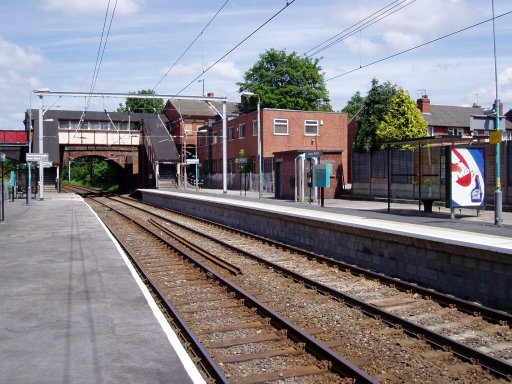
422,92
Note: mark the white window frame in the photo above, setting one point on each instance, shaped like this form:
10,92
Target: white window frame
281,122
310,123
456,131
231,133
241,128
255,127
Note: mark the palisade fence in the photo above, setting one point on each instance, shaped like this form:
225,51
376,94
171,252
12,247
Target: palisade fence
416,173
237,181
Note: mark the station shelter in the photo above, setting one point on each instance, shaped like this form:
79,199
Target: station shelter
299,174
452,170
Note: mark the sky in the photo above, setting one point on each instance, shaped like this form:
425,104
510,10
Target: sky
54,44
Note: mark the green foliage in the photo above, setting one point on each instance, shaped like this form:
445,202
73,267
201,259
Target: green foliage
375,107
287,81
403,120
354,105
106,174
142,105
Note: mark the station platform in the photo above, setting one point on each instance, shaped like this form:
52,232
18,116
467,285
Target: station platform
467,256
468,225
72,309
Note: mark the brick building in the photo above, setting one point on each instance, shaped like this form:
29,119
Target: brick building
281,130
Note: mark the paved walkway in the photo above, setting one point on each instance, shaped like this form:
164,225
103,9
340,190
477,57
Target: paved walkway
72,309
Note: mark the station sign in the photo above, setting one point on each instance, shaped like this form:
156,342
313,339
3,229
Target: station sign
47,164
311,154
192,161
37,157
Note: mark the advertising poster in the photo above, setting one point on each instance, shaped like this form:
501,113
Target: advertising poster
468,177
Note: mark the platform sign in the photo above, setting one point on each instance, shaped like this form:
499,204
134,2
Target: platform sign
311,154
47,164
37,157
467,177
192,161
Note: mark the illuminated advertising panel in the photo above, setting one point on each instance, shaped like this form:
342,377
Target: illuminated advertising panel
467,177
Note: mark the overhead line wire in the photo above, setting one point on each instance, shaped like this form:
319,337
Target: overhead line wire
190,45
419,46
364,26
349,28
288,3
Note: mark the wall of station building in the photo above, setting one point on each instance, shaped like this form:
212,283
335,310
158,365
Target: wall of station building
444,266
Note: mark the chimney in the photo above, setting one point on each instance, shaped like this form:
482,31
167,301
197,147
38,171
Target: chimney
210,94
424,104
244,100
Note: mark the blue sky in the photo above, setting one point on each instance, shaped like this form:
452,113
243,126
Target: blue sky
54,43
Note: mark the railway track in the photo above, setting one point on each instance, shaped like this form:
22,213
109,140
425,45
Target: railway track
382,325
82,191
250,341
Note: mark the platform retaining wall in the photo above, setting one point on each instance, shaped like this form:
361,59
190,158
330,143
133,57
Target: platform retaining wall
469,273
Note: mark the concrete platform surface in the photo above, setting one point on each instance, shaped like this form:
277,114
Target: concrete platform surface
71,308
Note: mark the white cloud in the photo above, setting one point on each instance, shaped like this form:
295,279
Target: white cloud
399,40
487,93
91,7
15,57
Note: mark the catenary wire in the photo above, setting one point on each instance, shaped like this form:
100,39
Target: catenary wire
288,3
351,27
190,45
367,24
418,46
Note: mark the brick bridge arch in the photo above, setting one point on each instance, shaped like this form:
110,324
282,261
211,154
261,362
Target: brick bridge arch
122,157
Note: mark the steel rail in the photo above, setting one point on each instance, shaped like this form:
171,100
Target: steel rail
466,306
233,269
318,349
500,367
207,362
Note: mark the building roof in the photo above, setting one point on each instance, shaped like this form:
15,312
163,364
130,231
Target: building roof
453,116
164,147
192,108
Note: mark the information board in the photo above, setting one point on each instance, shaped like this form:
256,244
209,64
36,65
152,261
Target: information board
467,177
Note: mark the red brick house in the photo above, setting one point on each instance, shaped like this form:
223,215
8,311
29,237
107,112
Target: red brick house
281,130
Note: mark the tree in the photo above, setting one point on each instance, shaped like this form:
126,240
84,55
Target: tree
287,81
354,105
375,107
138,105
403,120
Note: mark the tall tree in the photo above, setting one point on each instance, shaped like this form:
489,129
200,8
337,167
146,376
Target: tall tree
287,81
375,106
354,105
403,120
138,105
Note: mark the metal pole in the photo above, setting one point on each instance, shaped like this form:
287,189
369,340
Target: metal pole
224,150
498,219
260,186
41,168
3,206
69,170
29,163
185,158
197,168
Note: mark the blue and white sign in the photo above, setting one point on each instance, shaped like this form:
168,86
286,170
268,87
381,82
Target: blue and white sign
468,177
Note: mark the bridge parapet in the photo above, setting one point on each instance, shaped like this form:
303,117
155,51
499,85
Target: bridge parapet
100,137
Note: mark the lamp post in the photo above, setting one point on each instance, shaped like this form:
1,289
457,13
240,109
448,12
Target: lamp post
260,184
197,159
498,219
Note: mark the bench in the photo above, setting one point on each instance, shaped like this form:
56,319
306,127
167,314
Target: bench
427,203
